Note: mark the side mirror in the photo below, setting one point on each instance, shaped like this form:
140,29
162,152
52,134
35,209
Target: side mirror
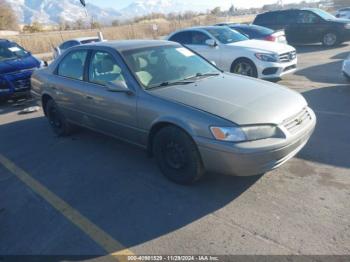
118,86
211,43
46,64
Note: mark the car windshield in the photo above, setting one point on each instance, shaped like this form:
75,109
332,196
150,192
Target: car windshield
166,65
226,35
9,50
323,14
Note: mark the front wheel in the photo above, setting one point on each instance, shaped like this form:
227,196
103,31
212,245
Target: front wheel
244,67
57,120
177,156
330,39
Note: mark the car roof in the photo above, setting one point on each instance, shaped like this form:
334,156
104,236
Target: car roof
79,39
241,25
290,9
126,45
204,27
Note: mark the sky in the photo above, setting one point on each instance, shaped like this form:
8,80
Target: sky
117,4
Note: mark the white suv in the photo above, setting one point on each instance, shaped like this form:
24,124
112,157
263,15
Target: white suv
343,13
233,52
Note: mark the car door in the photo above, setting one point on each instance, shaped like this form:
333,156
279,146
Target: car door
198,44
308,28
113,113
67,84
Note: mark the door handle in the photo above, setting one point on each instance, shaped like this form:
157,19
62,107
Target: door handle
53,87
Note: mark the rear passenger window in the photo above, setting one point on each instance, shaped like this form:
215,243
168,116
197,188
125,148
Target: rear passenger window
286,17
72,65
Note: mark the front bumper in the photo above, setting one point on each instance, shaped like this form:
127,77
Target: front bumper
273,70
16,84
254,157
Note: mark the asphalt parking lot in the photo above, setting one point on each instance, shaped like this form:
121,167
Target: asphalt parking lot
93,195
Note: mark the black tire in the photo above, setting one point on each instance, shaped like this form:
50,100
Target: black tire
237,67
177,156
347,77
3,100
57,120
330,39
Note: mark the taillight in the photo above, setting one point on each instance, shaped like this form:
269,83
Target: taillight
270,38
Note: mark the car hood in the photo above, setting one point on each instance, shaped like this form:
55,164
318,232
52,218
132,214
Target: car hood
264,46
242,100
340,20
27,62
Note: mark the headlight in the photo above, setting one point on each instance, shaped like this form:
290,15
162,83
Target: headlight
246,133
232,134
347,26
261,132
267,57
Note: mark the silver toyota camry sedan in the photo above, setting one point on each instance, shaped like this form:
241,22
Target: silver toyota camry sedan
184,111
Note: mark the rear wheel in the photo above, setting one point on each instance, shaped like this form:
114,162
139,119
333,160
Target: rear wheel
244,67
177,155
330,39
57,120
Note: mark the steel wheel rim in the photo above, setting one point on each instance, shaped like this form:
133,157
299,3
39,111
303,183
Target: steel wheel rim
244,68
330,39
174,155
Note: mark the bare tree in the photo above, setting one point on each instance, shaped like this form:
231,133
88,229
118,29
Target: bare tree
8,19
216,11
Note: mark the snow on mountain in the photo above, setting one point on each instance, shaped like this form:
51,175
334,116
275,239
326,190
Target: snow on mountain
54,11
144,7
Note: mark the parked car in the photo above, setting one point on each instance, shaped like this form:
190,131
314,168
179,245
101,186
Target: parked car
185,111
346,68
74,42
234,52
343,13
258,32
310,25
16,67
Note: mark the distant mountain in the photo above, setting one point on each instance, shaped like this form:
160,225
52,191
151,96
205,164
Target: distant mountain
144,7
54,11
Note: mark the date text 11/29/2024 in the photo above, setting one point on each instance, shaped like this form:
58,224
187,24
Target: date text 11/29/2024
173,258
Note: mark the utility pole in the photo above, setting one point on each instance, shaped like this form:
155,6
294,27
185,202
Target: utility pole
84,4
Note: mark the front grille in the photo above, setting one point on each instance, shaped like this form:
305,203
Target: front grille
21,84
297,122
287,57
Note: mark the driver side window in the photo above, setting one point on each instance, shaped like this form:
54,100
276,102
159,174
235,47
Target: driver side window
305,17
104,68
198,38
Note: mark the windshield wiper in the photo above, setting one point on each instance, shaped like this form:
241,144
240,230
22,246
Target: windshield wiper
199,75
168,83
